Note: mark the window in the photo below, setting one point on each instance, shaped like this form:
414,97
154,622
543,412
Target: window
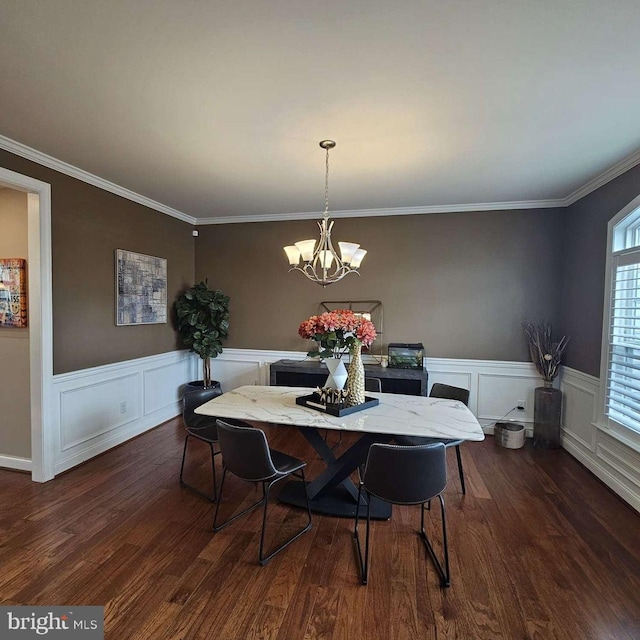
621,332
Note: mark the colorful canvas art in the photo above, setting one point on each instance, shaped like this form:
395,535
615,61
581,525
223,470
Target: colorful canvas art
141,288
13,292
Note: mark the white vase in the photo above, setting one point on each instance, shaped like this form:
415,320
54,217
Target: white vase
337,373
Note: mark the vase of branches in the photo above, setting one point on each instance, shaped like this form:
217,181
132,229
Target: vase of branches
546,354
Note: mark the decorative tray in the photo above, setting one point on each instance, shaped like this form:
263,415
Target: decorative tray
312,401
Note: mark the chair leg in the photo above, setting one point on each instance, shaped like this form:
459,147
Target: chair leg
364,562
184,455
264,559
213,472
213,496
460,471
443,572
219,527
366,544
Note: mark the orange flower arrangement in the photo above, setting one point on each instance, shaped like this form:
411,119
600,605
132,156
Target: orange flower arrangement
336,332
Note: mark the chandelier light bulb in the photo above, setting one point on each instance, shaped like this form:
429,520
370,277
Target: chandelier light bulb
306,248
293,255
358,257
347,249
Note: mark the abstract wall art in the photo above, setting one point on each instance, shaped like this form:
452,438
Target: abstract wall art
141,288
13,292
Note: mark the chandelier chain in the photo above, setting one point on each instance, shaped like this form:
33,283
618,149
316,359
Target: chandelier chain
326,185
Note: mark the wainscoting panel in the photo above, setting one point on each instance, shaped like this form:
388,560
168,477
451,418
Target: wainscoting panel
239,367
500,393
96,409
616,464
461,379
578,407
238,373
162,386
90,410
495,388
99,408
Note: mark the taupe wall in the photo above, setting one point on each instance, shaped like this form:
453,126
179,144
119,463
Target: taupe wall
15,423
459,283
88,224
585,249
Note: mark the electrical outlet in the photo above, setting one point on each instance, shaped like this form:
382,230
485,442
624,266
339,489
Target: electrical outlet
521,405
123,406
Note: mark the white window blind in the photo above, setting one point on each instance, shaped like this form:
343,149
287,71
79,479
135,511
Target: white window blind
623,384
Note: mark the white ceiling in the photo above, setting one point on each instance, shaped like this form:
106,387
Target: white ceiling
215,109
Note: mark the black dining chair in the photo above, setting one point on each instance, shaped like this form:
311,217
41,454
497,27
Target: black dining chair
204,429
411,475
247,455
446,392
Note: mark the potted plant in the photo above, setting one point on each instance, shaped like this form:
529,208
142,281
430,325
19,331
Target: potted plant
203,323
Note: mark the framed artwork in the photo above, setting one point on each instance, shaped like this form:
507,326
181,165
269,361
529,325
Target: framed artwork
141,288
13,292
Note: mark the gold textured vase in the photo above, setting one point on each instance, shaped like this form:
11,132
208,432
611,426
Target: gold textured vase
355,379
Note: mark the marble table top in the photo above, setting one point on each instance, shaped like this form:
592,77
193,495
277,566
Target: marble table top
396,414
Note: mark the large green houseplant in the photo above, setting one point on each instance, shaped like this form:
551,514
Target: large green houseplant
203,323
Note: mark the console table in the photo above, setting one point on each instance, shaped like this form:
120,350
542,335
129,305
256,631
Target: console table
311,373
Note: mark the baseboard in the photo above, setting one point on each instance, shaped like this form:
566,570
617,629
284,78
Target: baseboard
624,491
14,462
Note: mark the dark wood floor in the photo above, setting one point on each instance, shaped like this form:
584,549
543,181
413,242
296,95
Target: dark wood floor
540,549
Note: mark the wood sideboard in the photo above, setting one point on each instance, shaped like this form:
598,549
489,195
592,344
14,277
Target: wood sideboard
311,373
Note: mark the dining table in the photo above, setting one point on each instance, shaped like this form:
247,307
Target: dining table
332,491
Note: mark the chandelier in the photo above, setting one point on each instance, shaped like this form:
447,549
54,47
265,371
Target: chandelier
320,262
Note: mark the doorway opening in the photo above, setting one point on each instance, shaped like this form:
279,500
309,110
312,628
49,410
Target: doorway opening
40,318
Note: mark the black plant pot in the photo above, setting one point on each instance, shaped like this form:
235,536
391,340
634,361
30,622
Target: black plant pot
547,413
198,385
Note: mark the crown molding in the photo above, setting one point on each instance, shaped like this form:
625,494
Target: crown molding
395,211
45,160
602,179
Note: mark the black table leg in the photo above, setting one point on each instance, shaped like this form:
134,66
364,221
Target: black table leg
333,491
